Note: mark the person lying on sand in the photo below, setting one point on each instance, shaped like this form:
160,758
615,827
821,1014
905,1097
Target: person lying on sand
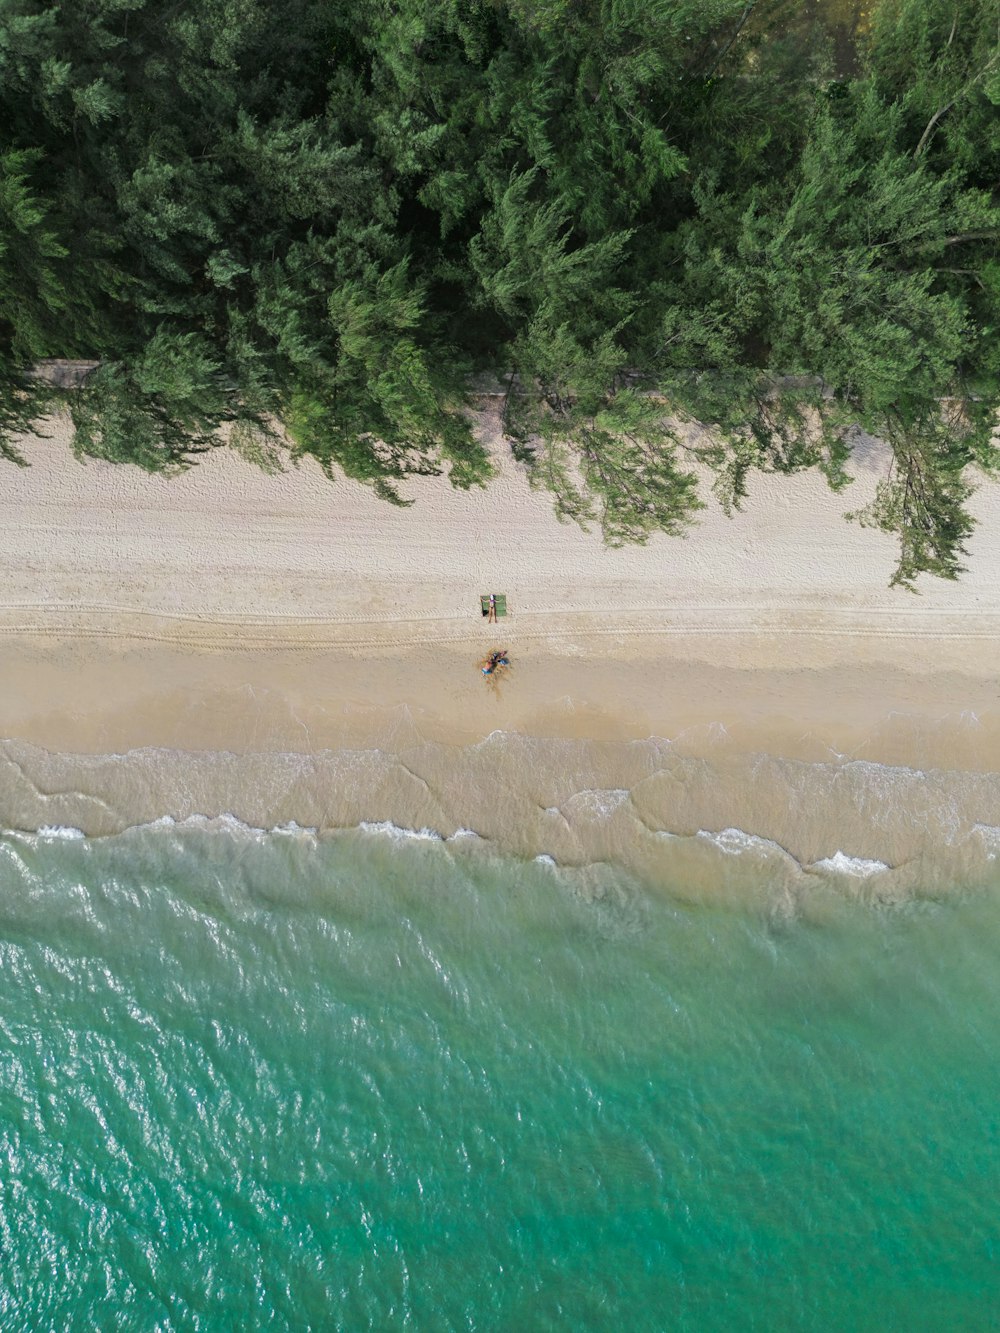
495,662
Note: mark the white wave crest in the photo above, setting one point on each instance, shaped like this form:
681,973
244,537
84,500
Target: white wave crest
596,802
388,829
990,835
227,823
734,841
857,866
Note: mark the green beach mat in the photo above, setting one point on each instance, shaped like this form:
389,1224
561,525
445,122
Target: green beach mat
501,603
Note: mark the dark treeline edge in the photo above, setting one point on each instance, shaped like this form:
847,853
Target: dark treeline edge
331,215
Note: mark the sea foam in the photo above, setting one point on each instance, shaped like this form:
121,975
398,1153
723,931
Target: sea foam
735,841
858,866
386,828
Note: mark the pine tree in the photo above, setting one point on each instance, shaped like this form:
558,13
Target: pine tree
156,410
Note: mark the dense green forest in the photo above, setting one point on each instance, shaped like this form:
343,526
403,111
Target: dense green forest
779,219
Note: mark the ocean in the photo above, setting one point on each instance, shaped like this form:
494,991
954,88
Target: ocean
370,1080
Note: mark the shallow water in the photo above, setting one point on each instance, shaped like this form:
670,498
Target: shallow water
697,814
269,1080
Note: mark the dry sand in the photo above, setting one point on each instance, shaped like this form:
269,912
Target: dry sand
225,608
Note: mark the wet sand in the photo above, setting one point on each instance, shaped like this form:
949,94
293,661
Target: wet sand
82,695
692,775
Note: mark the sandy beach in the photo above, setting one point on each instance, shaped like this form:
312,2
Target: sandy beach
95,548
225,612
320,586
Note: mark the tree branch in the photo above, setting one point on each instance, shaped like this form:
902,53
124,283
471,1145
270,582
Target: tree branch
943,111
971,236
725,50
954,29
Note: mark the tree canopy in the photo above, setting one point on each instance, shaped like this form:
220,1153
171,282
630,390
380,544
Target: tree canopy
775,219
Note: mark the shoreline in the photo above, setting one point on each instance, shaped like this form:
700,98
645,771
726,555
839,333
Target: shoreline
713,783
800,696
283,649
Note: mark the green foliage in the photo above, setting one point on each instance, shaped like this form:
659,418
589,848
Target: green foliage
22,403
840,276
603,449
777,222
258,444
154,411
385,411
33,298
938,62
922,501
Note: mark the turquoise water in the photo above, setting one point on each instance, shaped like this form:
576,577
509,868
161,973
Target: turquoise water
264,1082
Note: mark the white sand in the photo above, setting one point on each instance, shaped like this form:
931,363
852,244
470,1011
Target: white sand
87,547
